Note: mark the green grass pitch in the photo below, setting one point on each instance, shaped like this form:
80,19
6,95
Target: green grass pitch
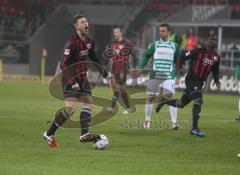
26,108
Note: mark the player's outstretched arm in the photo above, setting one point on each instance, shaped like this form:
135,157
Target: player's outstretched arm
149,53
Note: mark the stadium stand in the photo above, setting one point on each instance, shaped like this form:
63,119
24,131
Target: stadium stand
28,26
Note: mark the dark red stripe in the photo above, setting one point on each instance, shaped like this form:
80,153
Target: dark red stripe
196,67
209,68
203,68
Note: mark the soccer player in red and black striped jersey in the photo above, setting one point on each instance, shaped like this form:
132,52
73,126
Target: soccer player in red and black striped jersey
79,51
121,54
203,61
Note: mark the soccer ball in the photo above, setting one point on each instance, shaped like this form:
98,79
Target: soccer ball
101,143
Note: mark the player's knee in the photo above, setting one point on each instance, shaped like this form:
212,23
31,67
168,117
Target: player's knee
116,86
185,100
150,99
198,101
196,94
88,106
168,95
122,89
70,110
71,107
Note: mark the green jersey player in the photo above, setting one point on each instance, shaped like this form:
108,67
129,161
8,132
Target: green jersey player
237,78
164,54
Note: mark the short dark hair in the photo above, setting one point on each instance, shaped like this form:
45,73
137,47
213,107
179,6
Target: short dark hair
118,27
165,25
77,17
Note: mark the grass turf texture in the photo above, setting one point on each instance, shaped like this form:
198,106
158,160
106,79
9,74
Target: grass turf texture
26,108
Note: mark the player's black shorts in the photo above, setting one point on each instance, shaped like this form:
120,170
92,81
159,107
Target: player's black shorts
84,89
193,84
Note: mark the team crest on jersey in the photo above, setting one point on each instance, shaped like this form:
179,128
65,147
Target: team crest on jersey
67,52
89,45
215,58
121,47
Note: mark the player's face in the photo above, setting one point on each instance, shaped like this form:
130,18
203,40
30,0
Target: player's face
212,42
163,31
82,26
117,34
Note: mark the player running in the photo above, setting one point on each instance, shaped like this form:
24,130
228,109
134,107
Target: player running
79,48
164,54
122,58
203,61
237,77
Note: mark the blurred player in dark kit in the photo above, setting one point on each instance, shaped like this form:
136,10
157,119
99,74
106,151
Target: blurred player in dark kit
202,62
122,57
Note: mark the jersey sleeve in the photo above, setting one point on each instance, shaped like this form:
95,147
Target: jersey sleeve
149,53
69,54
215,71
132,55
67,63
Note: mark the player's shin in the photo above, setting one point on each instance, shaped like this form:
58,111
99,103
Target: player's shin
125,99
173,114
115,98
195,113
61,117
148,110
85,119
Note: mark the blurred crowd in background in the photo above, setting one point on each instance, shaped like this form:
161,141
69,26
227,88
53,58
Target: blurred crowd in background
21,19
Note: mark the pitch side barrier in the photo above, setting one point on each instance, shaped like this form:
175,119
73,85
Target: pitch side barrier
229,85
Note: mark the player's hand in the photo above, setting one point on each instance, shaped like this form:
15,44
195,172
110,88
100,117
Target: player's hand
218,85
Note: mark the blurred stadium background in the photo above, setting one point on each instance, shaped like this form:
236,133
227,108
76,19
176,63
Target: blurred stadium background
33,29
34,32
